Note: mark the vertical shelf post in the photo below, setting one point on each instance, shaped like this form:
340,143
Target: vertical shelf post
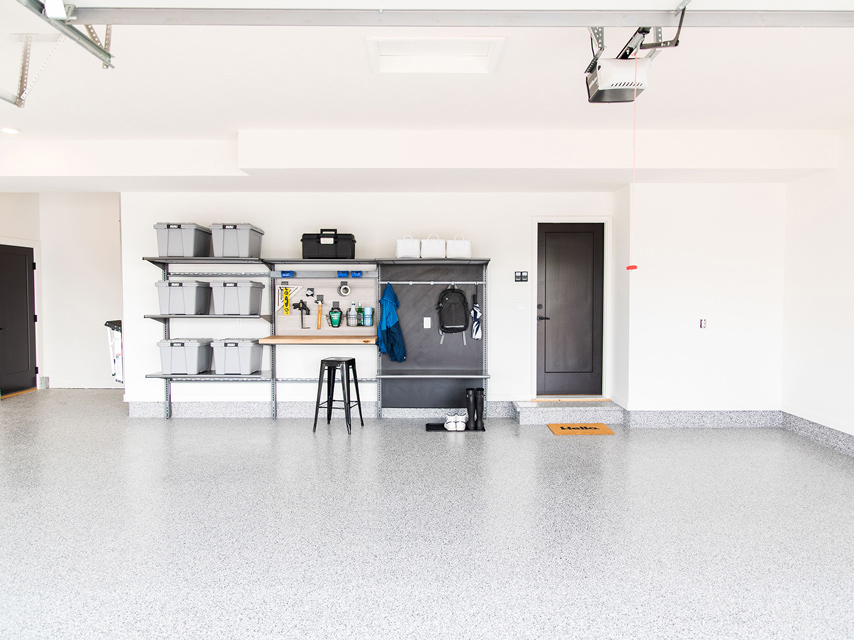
167,400
273,383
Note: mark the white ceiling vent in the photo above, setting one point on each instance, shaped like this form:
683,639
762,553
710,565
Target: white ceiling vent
435,55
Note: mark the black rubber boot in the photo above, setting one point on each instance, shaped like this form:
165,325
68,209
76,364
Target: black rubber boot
478,402
470,408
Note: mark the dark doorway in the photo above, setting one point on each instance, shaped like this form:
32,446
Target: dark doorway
570,267
17,320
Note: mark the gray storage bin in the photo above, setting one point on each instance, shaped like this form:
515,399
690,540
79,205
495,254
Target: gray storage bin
187,297
237,298
183,240
236,240
185,355
238,357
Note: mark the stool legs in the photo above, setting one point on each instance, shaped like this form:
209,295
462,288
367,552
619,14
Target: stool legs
358,398
317,402
330,391
345,386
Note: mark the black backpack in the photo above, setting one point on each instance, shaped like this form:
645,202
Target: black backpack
453,313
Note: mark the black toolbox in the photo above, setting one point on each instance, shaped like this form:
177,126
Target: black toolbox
328,244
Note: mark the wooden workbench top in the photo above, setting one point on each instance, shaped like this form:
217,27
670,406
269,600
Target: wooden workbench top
329,338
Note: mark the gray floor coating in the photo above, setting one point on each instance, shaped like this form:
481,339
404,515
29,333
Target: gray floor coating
146,528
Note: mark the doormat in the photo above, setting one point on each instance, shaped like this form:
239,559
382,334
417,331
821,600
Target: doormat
581,429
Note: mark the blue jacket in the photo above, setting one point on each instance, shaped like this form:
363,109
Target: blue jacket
389,335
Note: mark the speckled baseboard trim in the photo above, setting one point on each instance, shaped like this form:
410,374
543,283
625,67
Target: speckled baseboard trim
527,413
146,410
500,409
200,409
425,414
704,419
237,410
301,409
836,440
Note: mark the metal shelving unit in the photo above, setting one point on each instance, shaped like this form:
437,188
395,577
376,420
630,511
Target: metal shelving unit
164,263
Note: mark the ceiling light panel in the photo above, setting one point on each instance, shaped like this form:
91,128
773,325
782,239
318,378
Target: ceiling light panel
434,55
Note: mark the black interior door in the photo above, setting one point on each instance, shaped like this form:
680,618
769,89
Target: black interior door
570,267
17,320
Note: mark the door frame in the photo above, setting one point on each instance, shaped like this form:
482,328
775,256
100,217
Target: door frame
607,294
36,247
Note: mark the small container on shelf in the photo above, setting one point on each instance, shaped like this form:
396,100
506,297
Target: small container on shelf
236,356
328,245
183,240
239,298
236,240
189,356
184,297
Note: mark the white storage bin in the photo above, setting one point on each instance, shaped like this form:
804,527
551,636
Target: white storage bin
237,298
236,240
458,248
236,357
433,247
183,240
185,355
187,297
407,247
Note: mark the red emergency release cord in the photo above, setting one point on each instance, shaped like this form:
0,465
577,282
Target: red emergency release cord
632,267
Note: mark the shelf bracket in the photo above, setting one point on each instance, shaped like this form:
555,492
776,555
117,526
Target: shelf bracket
67,30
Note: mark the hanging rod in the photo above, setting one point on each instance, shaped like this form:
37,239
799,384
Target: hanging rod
432,282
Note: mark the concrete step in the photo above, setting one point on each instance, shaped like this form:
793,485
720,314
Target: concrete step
569,411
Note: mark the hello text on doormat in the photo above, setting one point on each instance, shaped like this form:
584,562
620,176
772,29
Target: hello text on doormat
581,429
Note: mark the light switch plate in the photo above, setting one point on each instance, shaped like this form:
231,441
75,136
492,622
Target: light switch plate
427,322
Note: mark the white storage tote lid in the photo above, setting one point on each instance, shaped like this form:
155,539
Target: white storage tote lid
240,226
234,342
184,342
181,283
239,283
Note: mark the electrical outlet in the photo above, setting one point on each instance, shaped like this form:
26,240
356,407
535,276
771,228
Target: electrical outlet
702,323
428,323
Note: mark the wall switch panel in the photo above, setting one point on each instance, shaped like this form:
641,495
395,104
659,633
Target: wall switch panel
427,323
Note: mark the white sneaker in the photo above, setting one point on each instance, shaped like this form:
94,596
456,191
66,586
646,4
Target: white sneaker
451,423
461,421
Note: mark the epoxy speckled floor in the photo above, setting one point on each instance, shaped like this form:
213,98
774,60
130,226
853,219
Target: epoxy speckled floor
119,528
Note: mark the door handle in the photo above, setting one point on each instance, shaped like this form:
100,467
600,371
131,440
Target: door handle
542,318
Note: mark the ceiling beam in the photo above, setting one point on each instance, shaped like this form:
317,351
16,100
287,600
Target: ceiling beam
453,18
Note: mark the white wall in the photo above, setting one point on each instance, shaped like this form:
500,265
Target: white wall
499,225
81,286
19,216
620,299
710,251
818,343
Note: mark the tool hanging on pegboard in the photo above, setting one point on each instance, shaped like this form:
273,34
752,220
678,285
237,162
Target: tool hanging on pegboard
285,293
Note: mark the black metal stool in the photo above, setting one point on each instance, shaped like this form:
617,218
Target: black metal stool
328,368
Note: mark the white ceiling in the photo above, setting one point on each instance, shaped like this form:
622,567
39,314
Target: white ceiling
209,82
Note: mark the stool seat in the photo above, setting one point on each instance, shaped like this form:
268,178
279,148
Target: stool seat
328,369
